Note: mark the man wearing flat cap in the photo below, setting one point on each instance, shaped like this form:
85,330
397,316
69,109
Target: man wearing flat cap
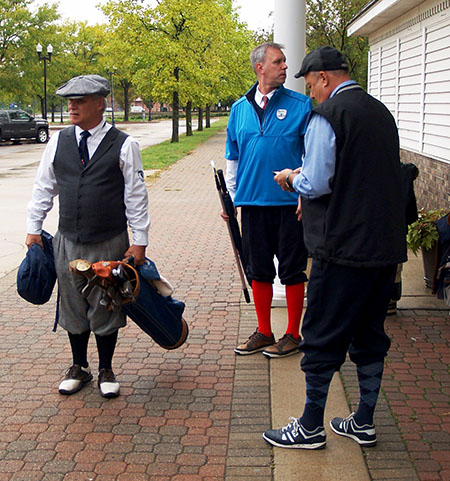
354,229
96,170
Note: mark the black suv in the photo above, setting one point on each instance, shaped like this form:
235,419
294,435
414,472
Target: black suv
18,124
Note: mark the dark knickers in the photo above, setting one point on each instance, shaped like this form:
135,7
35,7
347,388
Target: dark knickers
346,312
269,232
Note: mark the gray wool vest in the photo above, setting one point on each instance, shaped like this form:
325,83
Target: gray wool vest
91,199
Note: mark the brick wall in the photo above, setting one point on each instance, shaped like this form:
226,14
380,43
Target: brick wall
432,187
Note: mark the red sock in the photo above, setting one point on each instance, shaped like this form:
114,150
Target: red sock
262,296
294,299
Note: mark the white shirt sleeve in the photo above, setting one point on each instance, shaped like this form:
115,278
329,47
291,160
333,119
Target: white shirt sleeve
135,196
45,189
230,177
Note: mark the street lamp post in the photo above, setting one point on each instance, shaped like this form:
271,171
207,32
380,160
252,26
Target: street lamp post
45,58
111,73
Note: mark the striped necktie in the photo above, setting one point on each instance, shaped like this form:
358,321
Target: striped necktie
265,99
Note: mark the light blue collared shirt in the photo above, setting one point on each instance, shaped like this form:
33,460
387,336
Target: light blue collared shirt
319,162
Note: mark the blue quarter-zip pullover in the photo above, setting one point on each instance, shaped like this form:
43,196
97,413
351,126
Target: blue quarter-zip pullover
261,146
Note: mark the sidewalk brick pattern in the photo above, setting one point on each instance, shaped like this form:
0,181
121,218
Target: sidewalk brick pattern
413,414
249,457
172,420
197,413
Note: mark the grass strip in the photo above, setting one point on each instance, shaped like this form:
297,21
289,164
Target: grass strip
161,156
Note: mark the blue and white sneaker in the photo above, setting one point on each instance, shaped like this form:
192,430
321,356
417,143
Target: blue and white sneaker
364,435
294,435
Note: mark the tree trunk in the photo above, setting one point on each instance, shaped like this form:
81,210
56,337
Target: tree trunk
200,119
176,109
208,117
150,106
126,99
189,119
53,112
175,116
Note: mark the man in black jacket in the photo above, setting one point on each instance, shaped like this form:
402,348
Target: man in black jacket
354,228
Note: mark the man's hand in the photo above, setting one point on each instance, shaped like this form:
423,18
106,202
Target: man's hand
33,239
138,253
281,178
226,217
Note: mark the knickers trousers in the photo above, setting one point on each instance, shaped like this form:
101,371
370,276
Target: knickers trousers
77,313
346,312
273,231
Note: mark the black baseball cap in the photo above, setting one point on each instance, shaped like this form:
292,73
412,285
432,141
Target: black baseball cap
323,58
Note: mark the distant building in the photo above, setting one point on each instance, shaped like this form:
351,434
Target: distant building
156,106
409,71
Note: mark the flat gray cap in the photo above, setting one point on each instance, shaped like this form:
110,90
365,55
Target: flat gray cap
84,85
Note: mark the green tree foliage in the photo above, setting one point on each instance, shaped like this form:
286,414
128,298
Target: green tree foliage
327,22
77,51
20,30
122,51
187,50
182,52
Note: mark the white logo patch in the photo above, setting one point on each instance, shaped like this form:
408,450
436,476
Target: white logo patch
281,114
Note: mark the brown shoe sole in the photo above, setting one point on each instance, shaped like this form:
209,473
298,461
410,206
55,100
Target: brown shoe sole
242,352
285,354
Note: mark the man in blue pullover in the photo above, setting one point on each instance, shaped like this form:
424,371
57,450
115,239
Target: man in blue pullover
265,133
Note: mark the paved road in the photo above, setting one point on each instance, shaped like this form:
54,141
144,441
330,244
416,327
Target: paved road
18,165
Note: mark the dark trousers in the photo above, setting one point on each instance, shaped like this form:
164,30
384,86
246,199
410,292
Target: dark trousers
273,231
346,312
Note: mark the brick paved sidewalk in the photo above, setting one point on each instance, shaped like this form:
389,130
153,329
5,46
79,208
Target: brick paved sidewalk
413,414
172,419
197,413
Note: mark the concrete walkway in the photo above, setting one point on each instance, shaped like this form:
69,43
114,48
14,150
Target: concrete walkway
197,413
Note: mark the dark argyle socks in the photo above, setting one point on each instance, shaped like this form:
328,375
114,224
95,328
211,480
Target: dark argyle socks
317,386
369,377
106,346
79,344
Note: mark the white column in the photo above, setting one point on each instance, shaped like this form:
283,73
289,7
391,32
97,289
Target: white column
289,30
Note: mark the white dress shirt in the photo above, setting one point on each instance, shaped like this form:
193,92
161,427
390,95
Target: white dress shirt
135,195
259,96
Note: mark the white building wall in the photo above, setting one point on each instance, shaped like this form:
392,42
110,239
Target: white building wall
409,71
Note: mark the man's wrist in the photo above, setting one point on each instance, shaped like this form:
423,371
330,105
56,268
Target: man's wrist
288,181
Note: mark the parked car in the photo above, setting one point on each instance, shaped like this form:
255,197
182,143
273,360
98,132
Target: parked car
18,124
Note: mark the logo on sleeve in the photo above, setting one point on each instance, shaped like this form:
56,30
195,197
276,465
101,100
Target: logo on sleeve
281,114
141,175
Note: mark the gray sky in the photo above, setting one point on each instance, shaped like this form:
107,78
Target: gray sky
254,12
